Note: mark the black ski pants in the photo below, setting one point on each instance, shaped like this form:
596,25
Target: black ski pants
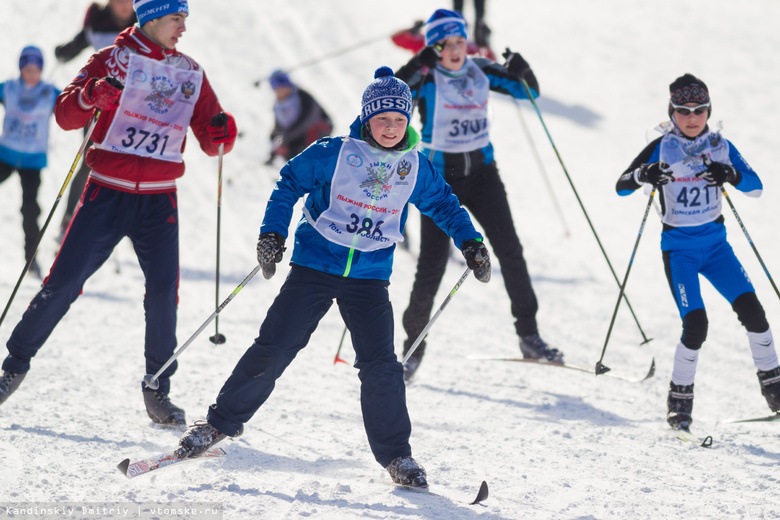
31,181
483,194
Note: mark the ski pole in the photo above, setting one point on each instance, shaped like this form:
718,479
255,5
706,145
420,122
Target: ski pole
337,359
152,381
217,338
435,316
542,169
76,160
750,240
601,368
338,52
582,206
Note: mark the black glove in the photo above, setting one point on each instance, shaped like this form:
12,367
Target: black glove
657,174
429,56
515,64
717,174
270,249
415,29
477,258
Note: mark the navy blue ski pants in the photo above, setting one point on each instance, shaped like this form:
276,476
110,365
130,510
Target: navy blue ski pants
304,299
104,217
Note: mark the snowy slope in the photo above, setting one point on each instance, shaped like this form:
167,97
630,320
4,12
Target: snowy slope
551,443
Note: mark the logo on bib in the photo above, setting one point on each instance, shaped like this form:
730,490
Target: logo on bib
188,89
354,160
160,100
377,186
139,76
403,169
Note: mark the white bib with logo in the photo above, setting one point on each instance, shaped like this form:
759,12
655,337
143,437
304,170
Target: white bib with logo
27,112
368,192
154,111
460,118
689,201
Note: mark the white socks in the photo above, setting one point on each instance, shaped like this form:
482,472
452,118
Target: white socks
762,346
685,361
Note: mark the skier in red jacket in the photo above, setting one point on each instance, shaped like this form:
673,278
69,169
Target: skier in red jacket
145,95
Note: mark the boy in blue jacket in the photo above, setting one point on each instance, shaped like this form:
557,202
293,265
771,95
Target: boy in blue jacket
29,104
689,164
357,191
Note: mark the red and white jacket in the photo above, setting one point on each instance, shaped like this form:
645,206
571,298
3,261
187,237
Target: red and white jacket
127,172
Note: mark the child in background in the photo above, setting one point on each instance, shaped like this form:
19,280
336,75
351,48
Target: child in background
102,24
29,104
357,192
689,164
298,119
452,92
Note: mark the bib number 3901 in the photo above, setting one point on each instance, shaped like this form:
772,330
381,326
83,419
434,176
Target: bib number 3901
136,138
366,226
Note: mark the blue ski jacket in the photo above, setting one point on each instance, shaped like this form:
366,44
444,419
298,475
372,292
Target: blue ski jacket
310,173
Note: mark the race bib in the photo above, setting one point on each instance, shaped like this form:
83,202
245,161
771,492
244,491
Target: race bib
154,111
27,113
689,201
460,119
368,192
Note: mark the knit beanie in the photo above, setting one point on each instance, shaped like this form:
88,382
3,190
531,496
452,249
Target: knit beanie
148,10
279,78
444,23
688,89
31,55
386,94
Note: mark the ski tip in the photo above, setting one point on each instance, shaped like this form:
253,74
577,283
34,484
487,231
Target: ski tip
122,467
482,494
651,372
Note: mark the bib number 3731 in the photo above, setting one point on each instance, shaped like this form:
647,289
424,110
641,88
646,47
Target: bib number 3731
136,138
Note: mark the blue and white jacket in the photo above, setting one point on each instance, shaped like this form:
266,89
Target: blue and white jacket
691,209
25,139
384,185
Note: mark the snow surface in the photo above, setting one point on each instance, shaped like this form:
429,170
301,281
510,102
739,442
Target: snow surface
551,443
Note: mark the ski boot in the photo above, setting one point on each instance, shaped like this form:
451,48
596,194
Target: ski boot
534,347
680,406
162,411
482,34
406,472
9,382
198,439
414,360
770,387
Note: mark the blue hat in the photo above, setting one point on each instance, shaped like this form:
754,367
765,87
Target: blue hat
386,94
148,10
31,55
442,24
279,78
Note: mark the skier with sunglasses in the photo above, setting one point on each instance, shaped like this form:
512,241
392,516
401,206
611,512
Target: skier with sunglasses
688,165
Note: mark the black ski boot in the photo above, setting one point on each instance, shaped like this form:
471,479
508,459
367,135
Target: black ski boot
770,387
534,347
482,34
680,406
406,472
198,439
9,382
414,360
162,411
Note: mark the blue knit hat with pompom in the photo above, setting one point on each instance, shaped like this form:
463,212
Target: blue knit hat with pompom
386,94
